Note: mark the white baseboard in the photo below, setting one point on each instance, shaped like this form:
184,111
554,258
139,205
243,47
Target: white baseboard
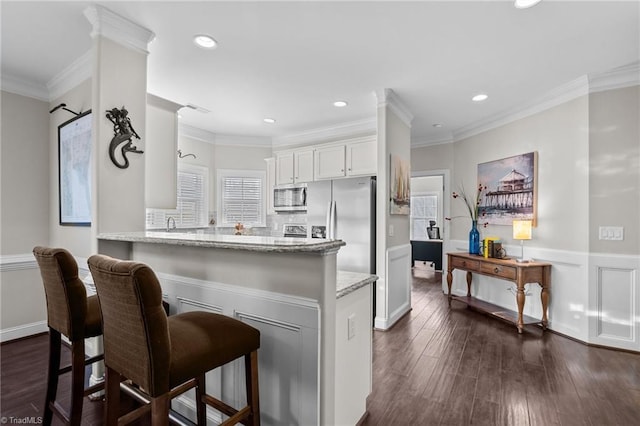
21,331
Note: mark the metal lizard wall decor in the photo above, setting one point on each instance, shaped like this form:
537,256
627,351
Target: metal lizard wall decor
123,132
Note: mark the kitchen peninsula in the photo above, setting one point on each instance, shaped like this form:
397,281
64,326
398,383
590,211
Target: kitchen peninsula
315,321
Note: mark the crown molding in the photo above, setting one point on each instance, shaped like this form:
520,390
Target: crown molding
196,133
560,95
22,87
201,135
426,142
351,129
119,29
389,98
246,141
617,78
77,72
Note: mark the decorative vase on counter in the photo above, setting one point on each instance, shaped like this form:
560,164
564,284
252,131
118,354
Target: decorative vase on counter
474,238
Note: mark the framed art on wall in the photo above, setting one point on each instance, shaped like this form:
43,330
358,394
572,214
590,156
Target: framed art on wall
511,189
74,170
399,178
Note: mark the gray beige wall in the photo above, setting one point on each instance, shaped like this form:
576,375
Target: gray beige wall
561,138
24,212
614,168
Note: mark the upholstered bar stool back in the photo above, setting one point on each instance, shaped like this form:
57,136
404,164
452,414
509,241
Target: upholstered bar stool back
165,356
72,314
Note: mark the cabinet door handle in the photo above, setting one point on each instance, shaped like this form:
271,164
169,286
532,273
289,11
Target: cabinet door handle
496,270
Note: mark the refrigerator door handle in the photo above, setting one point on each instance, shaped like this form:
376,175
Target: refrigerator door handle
329,223
332,219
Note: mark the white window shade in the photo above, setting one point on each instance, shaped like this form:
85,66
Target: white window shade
241,197
423,209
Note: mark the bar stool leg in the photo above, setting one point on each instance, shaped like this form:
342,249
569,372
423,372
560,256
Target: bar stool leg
160,410
52,379
253,392
77,385
112,397
201,406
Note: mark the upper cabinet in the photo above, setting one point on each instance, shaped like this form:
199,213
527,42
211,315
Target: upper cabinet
294,167
361,158
284,168
329,162
303,166
160,153
335,160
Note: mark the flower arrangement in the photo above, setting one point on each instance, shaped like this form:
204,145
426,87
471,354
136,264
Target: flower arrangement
472,205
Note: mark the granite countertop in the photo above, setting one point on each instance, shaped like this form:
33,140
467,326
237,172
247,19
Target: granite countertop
232,242
348,282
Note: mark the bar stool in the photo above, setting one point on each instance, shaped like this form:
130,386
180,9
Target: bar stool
72,313
163,356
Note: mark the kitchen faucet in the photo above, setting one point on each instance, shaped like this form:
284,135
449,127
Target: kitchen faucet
169,220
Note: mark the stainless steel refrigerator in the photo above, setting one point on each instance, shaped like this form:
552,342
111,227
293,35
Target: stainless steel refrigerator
345,209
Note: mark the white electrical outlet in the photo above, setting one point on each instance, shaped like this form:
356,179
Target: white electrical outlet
351,326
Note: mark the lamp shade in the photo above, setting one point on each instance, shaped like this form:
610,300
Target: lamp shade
521,229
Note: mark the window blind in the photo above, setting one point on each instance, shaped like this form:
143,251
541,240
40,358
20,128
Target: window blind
242,200
423,209
241,197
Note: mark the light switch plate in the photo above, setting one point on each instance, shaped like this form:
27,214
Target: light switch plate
611,233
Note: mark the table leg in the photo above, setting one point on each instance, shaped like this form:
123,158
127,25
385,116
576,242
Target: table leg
449,281
520,300
469,277
544,295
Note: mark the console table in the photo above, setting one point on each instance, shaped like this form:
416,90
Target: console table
505,269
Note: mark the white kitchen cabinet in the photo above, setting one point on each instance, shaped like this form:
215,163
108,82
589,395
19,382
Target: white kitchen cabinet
303,166
362,158
284,168
294,167
330,162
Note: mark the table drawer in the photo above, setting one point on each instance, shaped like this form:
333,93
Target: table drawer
467,264
507,272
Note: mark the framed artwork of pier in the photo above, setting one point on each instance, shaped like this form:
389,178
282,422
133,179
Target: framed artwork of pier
511,189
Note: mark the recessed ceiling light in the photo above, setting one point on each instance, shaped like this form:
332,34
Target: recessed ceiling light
525,4
269,120
340,104
437,125
480,97
205,41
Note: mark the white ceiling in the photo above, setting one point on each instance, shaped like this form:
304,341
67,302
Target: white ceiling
290,60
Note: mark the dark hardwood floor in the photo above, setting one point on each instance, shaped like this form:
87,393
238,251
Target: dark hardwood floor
441,366
436,366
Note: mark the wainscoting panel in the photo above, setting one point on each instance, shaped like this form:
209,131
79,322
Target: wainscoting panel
614,307
398,282
569,300
288,355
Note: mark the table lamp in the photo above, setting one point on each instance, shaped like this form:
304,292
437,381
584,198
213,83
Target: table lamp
522,231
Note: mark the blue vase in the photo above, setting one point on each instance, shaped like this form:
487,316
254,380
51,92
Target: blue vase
474,238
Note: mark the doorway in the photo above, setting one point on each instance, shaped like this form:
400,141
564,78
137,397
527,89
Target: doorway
427,220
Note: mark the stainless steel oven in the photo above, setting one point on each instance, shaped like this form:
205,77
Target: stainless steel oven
290,198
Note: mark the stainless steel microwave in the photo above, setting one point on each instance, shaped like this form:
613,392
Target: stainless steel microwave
290,198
